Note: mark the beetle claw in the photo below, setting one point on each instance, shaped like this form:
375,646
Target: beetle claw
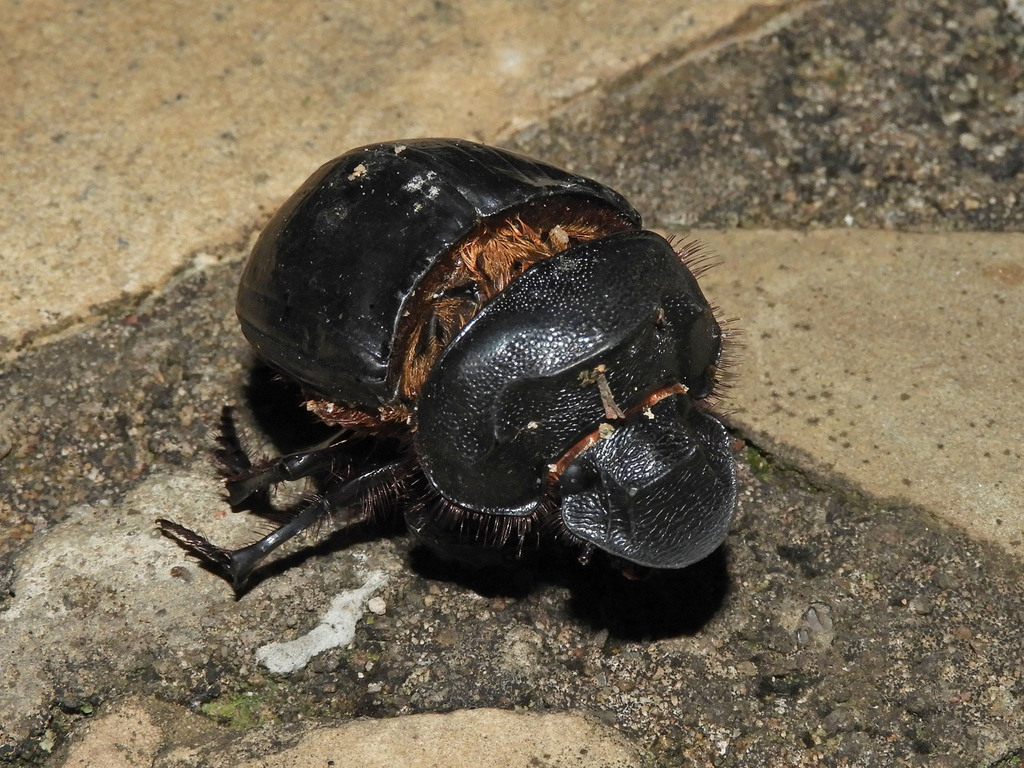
248,489
197,544
236,564
246,484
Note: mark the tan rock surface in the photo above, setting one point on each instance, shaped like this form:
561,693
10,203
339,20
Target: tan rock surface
892,359
132,141
151,734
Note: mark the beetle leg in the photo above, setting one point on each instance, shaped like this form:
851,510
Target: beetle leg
245,482
238,564
430,335
195,543
230,454
246,485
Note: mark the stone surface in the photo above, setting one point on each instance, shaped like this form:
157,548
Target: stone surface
882,115
133,735
841,623
481,737
826,627
142,734
103,596
134,142
889,359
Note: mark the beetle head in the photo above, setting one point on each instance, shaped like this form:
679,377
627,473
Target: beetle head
658,491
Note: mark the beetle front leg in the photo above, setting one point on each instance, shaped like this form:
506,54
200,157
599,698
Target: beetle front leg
245,486
245,481
230,453
238,564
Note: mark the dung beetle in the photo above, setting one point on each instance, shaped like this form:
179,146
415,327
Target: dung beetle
506,354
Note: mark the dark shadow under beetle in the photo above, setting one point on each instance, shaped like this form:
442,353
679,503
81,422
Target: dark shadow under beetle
659,604
272,401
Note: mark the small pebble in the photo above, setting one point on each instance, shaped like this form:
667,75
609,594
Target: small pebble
840,720
921,606
969,141
746,668
816,626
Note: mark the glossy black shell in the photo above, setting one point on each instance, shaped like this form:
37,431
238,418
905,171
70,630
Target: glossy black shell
505,398
323,292
514,392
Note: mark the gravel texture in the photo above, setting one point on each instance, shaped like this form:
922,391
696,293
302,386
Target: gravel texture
905,114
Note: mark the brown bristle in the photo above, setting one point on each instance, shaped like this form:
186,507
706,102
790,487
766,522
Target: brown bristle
699,259
478,268
269,520
726,374
497,531
487,530
554,530
381,502
553,527
386,418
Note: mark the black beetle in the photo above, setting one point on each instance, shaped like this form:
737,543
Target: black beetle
507,355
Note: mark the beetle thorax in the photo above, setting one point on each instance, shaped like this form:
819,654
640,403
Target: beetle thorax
474,271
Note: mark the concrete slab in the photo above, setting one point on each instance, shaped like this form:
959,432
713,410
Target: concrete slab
102,594
825,628
132,141
486,738
903,115
148,734
892,360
